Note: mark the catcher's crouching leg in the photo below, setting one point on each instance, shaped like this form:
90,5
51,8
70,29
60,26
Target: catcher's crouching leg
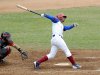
5,52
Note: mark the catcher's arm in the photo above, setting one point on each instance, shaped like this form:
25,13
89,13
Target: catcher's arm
23,53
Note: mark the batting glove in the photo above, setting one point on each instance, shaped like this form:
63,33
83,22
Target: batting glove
42,15
76,24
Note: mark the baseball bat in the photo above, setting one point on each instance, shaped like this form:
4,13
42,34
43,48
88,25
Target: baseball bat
24,8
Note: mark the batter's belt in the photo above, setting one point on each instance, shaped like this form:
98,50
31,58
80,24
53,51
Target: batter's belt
55,35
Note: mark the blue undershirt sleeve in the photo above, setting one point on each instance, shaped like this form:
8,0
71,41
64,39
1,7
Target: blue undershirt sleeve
68,27
52,18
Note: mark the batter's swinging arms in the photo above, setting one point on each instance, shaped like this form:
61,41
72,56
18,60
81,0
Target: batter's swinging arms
57,40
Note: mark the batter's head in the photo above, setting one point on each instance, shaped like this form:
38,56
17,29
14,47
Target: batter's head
5,35
61,17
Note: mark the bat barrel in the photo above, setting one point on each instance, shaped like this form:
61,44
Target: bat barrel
24,8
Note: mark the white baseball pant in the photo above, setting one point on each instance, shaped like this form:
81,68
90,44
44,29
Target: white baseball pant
58,42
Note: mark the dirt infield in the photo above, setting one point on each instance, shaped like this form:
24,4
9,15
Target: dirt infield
10,5
89,59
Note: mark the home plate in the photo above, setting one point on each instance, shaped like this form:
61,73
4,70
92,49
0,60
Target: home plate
62,64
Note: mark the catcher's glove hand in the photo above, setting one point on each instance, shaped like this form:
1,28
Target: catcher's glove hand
24,55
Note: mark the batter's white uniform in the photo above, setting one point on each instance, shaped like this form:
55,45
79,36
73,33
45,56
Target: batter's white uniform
57,42
57,37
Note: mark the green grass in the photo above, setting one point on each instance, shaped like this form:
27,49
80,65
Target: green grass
31,31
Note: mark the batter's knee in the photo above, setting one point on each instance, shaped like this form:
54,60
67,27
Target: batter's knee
68,54
50,56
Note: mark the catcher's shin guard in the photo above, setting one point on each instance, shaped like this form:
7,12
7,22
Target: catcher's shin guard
5,52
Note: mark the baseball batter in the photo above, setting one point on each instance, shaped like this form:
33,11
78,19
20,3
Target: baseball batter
57,40
5,43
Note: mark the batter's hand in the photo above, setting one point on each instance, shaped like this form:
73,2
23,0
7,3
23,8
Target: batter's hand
76,24
24,55
42,15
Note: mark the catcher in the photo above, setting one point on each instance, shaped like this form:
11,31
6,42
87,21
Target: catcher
5,43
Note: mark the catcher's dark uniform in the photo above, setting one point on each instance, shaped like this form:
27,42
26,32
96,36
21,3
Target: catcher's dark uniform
5,43
4,48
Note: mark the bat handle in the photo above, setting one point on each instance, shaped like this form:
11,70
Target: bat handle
34,12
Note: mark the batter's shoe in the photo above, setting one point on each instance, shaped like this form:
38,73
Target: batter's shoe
36,65
76,66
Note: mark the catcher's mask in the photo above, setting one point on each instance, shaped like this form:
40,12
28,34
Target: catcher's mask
5,36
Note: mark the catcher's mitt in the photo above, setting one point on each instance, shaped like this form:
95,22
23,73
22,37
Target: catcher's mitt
24,55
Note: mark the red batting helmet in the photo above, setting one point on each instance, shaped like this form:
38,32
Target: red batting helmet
61,15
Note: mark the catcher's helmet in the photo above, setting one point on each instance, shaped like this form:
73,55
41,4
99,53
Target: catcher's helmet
5,35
